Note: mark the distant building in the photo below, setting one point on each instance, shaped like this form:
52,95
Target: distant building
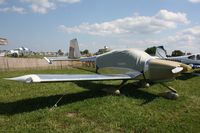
104,50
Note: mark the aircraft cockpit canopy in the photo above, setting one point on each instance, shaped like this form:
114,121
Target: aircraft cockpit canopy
193,57
198,57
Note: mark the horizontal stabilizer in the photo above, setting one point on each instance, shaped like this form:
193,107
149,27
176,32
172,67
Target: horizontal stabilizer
88,59
63,58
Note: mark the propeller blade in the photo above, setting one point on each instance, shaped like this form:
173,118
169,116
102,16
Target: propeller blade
177,70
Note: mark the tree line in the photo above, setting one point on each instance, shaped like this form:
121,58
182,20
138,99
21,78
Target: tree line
152,51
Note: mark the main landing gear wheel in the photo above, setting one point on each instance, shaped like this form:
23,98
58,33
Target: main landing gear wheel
115,90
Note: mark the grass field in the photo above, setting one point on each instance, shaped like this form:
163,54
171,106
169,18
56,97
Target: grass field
85,108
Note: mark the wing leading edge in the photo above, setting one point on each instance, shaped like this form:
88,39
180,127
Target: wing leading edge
73,77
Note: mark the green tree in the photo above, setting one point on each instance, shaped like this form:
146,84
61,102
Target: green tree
85,52
151,50
60,52
177,53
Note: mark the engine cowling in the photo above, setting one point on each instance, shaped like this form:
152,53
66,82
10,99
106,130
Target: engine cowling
159,70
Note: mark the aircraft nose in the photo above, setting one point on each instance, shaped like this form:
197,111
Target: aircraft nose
186,68
160,70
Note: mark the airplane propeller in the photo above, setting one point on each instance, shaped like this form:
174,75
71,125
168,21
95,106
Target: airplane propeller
177,70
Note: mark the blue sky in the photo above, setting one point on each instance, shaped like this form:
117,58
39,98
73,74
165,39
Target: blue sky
49,25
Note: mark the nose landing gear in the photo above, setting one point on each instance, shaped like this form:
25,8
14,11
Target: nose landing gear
172,94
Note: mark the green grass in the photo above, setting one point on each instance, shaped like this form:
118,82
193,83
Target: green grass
85,108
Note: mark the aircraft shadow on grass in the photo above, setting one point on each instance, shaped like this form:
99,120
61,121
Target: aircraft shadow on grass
86,69
93,91
130,90
186,76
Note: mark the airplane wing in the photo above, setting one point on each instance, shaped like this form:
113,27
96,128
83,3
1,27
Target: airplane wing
73,77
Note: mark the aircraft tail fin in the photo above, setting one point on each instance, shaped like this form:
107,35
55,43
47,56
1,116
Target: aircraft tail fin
74,52
161,52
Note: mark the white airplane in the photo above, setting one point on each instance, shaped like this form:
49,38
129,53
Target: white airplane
136,65
22,51
192,60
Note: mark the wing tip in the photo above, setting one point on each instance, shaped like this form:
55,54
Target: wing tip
26,78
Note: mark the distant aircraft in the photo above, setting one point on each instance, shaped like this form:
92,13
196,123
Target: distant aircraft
135,64
192,60
22,51
3,41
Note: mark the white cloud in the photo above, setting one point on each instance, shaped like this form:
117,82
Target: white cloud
163,20
44,6
186,38
171,16
194,31
40,6
13,9
2,1
69,1
195,1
